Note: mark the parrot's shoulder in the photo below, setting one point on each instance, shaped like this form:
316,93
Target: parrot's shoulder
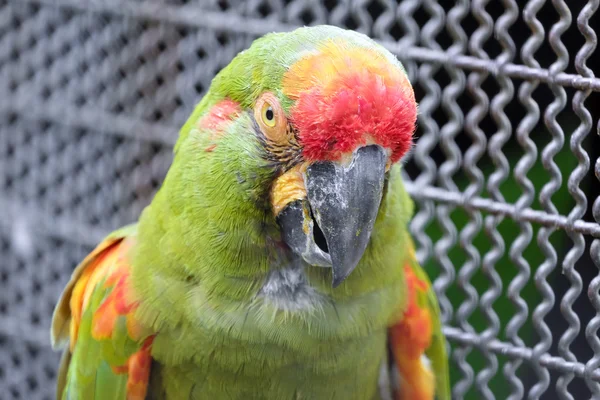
108,350
62,313
416,339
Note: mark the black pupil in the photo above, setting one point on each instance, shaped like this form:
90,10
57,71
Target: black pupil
269,114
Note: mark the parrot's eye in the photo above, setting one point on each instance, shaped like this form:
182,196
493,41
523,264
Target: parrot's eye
271,118
269,115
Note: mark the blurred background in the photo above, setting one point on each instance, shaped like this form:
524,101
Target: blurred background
92,94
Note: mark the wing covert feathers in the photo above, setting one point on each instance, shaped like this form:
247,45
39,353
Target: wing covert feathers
109,352
417,342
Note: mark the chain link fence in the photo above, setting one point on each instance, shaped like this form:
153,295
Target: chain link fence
92,94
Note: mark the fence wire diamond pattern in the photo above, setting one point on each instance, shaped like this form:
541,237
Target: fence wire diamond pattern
92,95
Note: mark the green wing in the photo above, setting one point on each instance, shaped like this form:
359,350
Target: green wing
108,356
436,352
418,333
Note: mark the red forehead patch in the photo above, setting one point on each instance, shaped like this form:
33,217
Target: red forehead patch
348,97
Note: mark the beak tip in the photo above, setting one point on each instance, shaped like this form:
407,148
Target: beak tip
337,281
340,274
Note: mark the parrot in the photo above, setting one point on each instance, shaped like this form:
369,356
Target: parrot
275,260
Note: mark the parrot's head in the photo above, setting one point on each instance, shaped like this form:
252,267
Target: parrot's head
321,114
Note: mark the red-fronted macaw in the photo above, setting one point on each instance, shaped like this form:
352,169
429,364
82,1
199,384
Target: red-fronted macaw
275,261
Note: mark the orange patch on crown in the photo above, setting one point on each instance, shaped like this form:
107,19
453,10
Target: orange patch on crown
346,97
336,58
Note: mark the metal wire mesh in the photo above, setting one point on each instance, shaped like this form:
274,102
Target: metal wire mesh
92,95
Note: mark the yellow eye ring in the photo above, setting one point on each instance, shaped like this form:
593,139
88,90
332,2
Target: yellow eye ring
270,116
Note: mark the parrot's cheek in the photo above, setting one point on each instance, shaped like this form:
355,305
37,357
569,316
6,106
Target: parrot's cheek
332,225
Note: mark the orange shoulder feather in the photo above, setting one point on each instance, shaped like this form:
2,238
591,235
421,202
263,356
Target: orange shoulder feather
410,338
106,268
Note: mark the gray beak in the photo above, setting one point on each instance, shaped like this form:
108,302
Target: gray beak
333,226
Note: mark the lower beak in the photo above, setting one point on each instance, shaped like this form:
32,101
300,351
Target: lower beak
333,226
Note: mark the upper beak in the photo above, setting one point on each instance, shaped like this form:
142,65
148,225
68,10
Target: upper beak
344,202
